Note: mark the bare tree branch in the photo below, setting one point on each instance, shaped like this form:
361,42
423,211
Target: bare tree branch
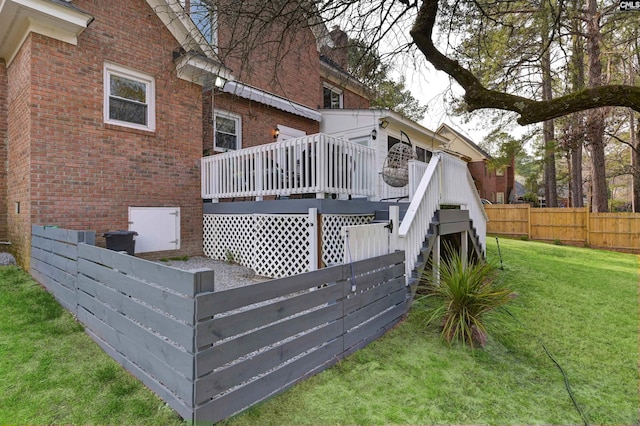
531,111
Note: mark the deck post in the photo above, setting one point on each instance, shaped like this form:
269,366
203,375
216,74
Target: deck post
436,260
394,235
314,242
464,248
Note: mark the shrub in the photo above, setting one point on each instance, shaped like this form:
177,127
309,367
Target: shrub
462,298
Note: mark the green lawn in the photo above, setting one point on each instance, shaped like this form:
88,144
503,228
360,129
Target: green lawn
582,304
52,372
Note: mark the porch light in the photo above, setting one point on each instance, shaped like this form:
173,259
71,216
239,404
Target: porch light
374,134
220,82
276,133
384,124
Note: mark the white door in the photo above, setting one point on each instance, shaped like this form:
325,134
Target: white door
158,228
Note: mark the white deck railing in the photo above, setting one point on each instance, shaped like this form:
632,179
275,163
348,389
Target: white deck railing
415,224
458,188
318,164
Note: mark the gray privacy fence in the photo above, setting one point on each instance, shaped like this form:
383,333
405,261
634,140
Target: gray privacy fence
207,353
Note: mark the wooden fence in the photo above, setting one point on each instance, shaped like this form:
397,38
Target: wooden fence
578,226
208,353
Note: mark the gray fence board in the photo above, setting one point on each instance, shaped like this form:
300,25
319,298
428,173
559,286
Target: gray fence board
175,333
161,275
53,259
260,316
359,300
226,378
374,278
66,235
144,359
171,328
276,381
369,311
184,409
366,265
174,304
61,248
181,360
58,275
221,354
259,292
66,297
357,335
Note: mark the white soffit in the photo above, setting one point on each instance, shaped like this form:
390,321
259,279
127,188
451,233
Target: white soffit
200,69
272,100
18,18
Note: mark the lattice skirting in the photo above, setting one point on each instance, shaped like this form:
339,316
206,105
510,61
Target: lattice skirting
275,246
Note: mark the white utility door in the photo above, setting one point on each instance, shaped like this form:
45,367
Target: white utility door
158,228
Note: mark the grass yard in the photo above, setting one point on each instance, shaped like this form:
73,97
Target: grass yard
51,372
582,304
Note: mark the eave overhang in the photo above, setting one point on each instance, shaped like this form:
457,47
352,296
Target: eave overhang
199,69
345,80
56,20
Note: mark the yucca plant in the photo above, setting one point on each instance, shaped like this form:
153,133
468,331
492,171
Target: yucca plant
462,296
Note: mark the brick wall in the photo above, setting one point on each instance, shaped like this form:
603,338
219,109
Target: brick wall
489,183
3,153
258,120
479,173
84,173
281,61
18,149
354,101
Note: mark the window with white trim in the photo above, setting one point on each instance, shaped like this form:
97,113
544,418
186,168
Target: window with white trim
332,97
500,198
129,98
203,14
227,131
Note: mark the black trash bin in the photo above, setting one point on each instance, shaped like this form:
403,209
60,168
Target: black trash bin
121,241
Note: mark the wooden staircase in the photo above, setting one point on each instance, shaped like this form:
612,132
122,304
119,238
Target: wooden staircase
445,222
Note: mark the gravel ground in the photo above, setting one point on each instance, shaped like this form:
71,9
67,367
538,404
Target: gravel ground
227,275
7,259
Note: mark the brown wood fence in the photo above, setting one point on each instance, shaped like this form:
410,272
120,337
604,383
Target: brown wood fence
577,226
211,353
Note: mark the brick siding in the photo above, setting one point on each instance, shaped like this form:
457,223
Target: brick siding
258,120
70,169
3,152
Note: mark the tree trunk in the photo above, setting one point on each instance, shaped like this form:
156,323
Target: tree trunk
595,117
577,193
575,145
548,130
634,139
550,183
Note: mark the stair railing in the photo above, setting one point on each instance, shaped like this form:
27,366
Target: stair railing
447,180
424,203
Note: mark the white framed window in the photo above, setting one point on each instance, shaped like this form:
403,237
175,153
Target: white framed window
129,98
500,198
499,171
332,97
203,14
423,154
227,131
